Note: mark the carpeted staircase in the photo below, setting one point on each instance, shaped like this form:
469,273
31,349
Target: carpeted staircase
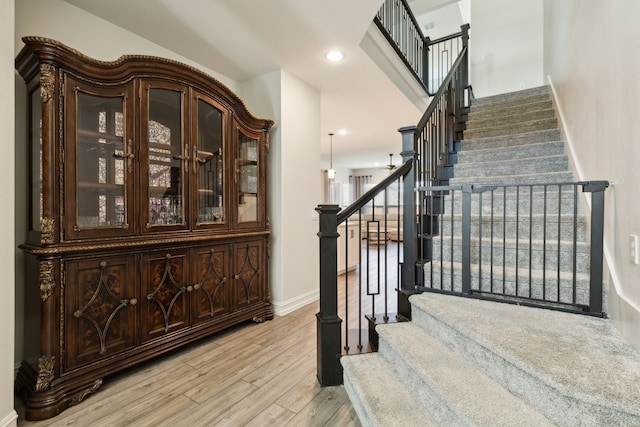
469,362
514,139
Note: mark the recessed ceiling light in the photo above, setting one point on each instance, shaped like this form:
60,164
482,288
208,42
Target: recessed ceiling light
342,132
335,56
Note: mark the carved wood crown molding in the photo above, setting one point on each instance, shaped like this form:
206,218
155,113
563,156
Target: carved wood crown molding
57,50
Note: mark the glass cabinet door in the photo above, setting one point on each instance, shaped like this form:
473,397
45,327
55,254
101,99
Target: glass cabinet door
99,161
166,158
247,178
208,163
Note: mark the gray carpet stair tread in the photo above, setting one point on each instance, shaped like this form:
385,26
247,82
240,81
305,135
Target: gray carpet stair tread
584,358
472,396
378,395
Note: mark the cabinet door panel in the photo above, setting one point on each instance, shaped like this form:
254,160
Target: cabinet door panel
209,163
249,179
99,160
165,155
248,270
164,292
211,283
100,308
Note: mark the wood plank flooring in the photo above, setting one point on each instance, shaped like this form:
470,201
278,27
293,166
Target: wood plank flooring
251,375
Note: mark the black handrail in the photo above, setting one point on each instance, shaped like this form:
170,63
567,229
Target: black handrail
372,193
426,59
443,87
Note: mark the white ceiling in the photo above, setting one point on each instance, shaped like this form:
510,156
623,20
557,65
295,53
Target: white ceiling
243,39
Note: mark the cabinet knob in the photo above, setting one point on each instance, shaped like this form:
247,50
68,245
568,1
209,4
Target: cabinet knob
237,276
189,288
197,286
133,301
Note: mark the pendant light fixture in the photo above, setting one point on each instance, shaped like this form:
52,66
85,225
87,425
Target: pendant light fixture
331,173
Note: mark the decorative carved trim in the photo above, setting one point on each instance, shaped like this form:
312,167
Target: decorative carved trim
146,59
46,229
80,396
266,141
147,243
46,279
45,373
47,81
268,248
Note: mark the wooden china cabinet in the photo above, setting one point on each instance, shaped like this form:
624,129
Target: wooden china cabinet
147,217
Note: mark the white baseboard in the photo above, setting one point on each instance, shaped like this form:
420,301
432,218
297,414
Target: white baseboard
280,308
10,420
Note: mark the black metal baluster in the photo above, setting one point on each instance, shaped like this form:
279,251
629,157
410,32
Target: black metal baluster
544,244
559,245
480,242
491,249
575,240
530,238
517,235
504,240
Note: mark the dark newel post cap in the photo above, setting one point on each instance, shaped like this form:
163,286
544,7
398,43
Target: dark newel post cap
407,129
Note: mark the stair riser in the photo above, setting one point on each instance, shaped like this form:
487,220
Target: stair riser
514,98
538,226
500,154
360,406
539,258
441,410
507,141
516,167
502,118
539,178
524,206
479,112
511,129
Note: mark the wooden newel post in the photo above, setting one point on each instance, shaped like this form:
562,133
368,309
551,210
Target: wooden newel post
465,65
409,221
329,325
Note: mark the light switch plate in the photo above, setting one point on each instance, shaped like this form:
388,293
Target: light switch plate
633,248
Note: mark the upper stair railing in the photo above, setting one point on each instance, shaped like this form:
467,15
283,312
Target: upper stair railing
428,60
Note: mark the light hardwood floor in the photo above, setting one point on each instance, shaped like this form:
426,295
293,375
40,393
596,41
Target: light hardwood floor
252,375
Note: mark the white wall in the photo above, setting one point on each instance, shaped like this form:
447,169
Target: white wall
506,44
592,60
8,416
294,161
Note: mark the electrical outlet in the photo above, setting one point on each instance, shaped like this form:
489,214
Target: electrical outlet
633,248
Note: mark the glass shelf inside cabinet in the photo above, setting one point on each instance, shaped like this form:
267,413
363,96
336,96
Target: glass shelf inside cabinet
167,157
247,175
209,159
101,161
